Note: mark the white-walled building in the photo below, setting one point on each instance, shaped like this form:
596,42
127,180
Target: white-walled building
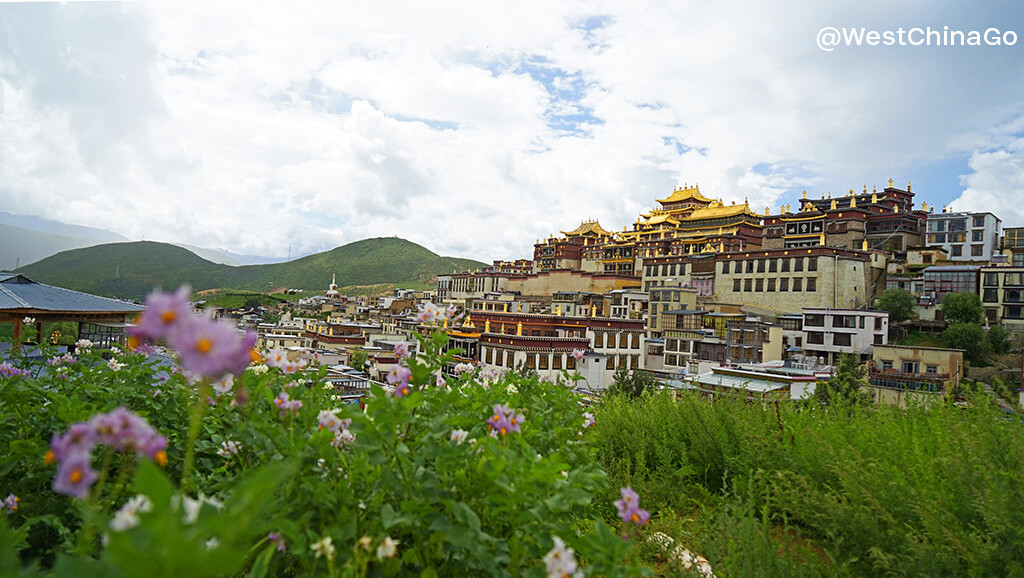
828,333
965,236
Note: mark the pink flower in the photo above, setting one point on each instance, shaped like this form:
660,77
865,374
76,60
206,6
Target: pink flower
629,507
211,348
163,312
74,476
578,354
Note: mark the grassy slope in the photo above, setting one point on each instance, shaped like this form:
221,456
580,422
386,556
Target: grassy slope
140,266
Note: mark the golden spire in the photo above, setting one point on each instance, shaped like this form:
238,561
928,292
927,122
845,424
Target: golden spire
853,201
834,206
805,193
767,210
487,326
865,187
924,205
505,306
908,186
874,198
864,245
519,329
851,192
874,189
890,182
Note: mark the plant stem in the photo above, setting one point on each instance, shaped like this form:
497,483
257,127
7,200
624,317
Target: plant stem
194,425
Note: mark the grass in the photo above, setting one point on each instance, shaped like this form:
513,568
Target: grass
797,490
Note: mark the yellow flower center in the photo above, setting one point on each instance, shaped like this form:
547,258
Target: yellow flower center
503,431
160,458
168,316
49,458
204,345
76,476
636,518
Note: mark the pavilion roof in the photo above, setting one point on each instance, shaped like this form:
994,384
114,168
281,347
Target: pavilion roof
21,294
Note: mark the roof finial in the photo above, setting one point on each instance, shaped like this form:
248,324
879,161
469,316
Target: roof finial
908,186
890,182
865,187
805,193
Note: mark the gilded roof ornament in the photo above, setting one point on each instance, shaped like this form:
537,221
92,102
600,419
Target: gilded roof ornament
890,182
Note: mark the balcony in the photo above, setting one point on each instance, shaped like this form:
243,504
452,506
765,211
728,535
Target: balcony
900,375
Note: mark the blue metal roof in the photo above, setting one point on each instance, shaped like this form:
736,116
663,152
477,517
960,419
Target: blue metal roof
20,292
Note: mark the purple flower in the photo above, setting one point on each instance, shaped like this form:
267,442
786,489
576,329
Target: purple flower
578,354
74,476
328,419
629,507
399,374
588,419
286,404
11,503
8,370
402,350
163,312
505,420
276,538
211,348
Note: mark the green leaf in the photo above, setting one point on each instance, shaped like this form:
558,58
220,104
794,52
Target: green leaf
261,565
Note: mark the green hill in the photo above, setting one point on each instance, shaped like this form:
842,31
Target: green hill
132,270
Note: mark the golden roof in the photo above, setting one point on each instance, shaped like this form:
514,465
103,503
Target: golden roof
717,210
657,219
685,194
587,227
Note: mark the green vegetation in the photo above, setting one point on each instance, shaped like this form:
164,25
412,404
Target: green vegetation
967,336
998,339
132,270
899,303
848,386
801,490
631,384
962,308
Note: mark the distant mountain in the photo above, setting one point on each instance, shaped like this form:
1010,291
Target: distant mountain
211,255
21,246
132,270
58,228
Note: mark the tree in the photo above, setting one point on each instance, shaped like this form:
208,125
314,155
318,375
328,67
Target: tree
631,383
357,359
998,339
962,308
967,336
846,386
898,302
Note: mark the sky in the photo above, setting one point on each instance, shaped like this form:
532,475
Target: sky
475,128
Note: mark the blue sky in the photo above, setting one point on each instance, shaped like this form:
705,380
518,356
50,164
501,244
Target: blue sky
476,128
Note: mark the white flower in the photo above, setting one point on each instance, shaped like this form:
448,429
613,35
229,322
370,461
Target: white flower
228,448
560,561
343,438
128,516
193,506
323,547
114,365
459,435
511,389
388,548
28,320
211,543
258,369
224,384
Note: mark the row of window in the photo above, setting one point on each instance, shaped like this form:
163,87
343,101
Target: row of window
1009,279
624,340
785,284
954,224
665,270
505,358
774,265
907,385
958,250
841,321
1009,295
840,339
911,367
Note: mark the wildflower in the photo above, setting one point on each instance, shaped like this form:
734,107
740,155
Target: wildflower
114,365
228,448
328,419
163,312
276,357
428,314
211,348
276,538
67,358
388,548
459,436
402,350
629,507
560,561
588,419
578,354
505,420
323,547
258,369
224,384
193,507
399,374
511,389
8,370
212,543
128,516
10,502
463,368
29,320
83,346
440,382
74,476
79,440
286,404
365,542
343,437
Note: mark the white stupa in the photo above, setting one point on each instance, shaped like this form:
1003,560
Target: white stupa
332,289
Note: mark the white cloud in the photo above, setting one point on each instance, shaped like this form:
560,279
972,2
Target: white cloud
473,128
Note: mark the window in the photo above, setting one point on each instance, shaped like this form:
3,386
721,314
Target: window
910,367
797,282
990,296
599,340
760,265
979,221
1013,312
784,284
785,264
623,341
879,339
798,264
845,321
747,285
958,251
759,285
771,285
772,265
977,250
878,323
815,338
812,284
931,369
812,264
610,362
886,364
531,360
926,258
1013,279
543,361
725,267
814,320
977,236
1013,295
570,362
556,361
841,339
636,341
992,279
750,266
672,269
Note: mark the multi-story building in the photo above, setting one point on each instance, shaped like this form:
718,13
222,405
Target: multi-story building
791,279
829,333
572,251
1002,296
965,236
1013,245
942,279
627,303
671,296
899,371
